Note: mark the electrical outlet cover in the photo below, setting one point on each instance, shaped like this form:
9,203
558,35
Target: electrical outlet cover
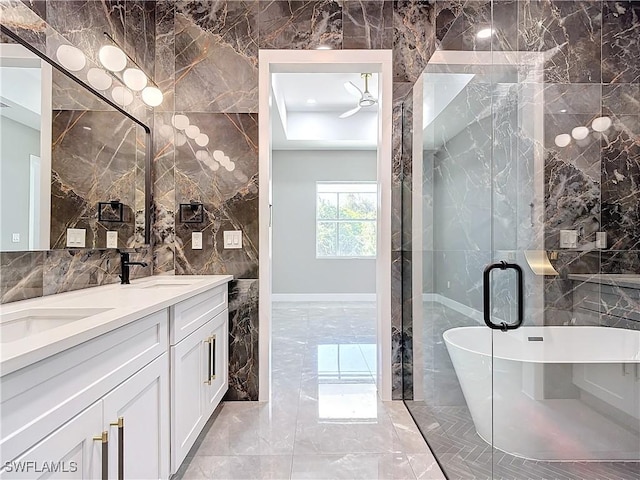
112,239
196,240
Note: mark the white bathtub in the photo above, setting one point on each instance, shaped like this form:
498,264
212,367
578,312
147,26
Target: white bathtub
598,420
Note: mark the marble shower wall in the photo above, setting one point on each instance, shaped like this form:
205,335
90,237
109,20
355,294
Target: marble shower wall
82,23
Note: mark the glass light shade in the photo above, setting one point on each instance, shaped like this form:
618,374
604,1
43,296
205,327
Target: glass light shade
112,58
166,131
181,139
485,33
202,155
180,121
135,79
192,131
152,96
601,124
580,133
202,140
122,96
230,166
563,140
99,79
71,58
220,157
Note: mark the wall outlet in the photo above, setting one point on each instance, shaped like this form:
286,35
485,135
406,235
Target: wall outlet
15,238
196,240
76,237
112,239
233,239
601,239
568,239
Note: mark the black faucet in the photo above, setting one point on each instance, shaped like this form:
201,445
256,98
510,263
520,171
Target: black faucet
124,267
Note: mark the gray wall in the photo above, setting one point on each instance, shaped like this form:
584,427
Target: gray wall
295,266
18,142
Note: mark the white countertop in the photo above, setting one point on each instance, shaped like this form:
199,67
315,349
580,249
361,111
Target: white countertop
123,304
627,280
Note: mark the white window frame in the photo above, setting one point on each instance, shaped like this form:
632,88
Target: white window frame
337,220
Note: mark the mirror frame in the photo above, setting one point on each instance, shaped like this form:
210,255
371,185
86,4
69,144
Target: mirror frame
147,160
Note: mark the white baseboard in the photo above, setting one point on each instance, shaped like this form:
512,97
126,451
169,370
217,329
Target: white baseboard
454,305
323,297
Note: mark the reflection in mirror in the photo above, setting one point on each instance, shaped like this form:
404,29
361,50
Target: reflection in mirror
76,173
25,152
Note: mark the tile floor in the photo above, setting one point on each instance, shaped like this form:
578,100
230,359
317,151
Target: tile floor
325,420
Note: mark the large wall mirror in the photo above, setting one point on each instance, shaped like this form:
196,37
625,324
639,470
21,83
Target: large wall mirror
74,165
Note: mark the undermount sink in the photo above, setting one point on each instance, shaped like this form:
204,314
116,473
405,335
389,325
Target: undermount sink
18,325
164,282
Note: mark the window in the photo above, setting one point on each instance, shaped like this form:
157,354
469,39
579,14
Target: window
346,219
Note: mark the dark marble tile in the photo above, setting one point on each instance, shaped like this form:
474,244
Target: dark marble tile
299,25
367,24
68,270
23,21
243,340
462,31
140,33
224,178
216,46
621,184
447,12
91,164
165,61
620,41
572,98
396,324
407,324
20,275
414,38
621,99
568,32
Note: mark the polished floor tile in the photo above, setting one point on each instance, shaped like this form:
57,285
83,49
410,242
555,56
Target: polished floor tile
325,419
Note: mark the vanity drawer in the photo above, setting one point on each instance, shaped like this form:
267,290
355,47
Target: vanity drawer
191,314
37,399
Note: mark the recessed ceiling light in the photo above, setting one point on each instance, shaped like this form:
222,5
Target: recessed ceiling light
311,101
485,33
87,128
564,110
323,47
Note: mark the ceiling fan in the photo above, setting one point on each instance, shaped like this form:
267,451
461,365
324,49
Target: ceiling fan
365,99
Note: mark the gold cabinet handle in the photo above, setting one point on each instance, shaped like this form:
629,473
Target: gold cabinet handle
208,380
104,439
120,425
213,357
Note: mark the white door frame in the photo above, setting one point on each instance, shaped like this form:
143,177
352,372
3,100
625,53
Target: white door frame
356,61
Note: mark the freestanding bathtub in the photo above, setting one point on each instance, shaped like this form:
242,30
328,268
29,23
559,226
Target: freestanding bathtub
559,393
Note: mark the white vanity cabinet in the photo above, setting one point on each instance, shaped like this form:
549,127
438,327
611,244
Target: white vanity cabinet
199,367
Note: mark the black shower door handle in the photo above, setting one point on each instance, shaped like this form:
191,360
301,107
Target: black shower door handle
487,296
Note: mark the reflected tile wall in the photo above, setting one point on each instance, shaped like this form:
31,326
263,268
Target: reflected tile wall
367,24
414,38
21,275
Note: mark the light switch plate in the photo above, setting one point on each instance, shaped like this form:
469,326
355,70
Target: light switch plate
568,238
76,237
601,239
15,238
196,240
112,239
233,239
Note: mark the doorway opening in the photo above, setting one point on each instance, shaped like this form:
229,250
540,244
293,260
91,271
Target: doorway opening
287,81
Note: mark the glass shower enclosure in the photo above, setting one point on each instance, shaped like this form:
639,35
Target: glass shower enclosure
524,219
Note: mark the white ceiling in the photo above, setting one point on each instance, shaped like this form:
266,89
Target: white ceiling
301,125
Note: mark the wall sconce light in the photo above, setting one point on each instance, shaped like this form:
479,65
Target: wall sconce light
114,59
192,212
112,211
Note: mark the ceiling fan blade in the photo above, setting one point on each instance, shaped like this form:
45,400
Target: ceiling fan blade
352,89
353,111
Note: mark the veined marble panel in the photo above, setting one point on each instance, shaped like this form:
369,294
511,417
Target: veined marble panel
216,46
243,340
620,41
300,24
25,22
621,183
414,38
367,24
569,33
92,164
396,324
224,177
165,63
20,275
139,33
